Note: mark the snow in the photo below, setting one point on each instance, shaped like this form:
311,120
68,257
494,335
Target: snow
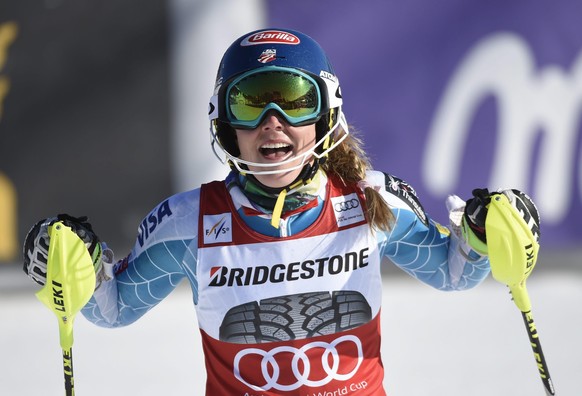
470,343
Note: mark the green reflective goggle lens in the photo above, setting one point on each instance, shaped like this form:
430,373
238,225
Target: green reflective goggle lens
293,94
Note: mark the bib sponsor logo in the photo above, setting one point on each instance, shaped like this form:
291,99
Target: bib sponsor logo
347,209
270,37
302,370
277,273
217,228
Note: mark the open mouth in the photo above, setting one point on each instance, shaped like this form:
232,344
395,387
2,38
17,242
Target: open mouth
275,150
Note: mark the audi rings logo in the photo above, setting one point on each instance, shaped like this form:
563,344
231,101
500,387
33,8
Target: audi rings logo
344,206
326,355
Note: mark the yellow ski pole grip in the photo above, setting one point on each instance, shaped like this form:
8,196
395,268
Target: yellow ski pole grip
70,282
70,279
513,249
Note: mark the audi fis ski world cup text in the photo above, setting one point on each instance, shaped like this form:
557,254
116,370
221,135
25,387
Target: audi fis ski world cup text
345,390
347,209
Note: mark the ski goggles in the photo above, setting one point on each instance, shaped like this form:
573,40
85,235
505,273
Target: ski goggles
292,93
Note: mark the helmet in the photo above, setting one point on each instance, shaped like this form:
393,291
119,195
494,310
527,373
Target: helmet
275,51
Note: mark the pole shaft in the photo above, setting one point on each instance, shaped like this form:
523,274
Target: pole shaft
538,352
68,372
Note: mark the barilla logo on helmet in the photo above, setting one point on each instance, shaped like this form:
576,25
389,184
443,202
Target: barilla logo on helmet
270,37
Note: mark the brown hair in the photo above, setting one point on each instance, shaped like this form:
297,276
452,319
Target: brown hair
349,162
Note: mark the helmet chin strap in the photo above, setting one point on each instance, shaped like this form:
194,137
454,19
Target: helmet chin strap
304,177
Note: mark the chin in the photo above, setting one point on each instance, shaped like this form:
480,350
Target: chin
278,180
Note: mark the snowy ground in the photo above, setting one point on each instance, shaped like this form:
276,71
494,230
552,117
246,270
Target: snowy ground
456,344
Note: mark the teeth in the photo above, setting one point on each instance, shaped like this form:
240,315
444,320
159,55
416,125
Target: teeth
274,145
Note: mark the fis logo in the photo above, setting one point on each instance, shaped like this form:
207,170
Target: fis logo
217,228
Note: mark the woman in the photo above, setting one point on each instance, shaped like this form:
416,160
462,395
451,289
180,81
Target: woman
283,256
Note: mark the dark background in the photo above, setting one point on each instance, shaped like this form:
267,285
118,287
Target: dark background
86,120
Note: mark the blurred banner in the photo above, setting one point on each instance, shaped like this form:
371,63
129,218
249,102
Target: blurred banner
454,95
103,104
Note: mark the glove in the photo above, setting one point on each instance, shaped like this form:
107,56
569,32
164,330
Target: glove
36,245
473,225
475,213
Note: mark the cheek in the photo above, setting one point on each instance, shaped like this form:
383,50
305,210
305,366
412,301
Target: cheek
243,141
307,137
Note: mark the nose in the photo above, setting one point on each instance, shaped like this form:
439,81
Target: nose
273,120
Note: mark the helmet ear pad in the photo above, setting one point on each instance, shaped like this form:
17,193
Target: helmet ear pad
227,138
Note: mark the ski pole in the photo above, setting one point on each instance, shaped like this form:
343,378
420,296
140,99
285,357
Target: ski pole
70,283
513,251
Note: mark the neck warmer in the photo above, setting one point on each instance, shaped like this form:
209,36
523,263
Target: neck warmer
277,201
